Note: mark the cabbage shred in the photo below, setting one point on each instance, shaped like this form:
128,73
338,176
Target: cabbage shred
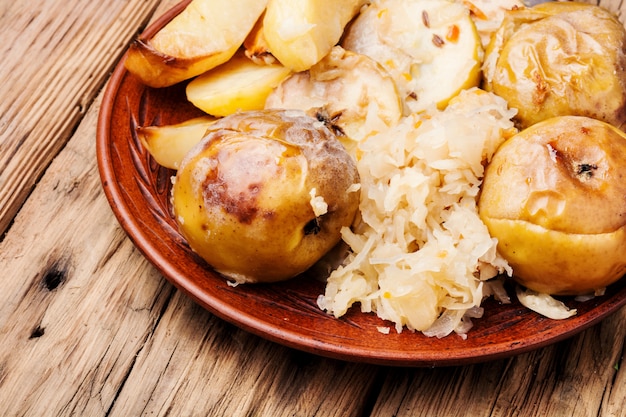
420,256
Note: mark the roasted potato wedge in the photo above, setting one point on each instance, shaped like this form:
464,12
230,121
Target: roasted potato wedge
559,59
301,32
238,85
256,47
205,34
169,144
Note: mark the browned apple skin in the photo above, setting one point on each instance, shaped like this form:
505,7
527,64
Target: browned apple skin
554,196
242,197
559,58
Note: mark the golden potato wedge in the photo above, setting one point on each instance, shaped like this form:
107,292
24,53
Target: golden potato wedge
205,34
237,85
256,47
169,144
301,32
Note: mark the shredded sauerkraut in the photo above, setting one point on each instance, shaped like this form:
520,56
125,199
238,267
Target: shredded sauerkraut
420,256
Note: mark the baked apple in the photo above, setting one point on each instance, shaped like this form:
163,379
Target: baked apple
559,58
265,194
352,91
554,196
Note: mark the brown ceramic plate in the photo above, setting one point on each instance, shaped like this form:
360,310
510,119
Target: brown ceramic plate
137,189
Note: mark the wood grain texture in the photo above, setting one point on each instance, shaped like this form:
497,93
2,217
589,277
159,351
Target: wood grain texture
78,301
56,57
89,328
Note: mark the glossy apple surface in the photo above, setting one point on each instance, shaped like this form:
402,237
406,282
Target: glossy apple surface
554,196
265,195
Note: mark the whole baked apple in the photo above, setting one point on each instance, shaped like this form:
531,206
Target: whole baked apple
559,58
265,194
554,196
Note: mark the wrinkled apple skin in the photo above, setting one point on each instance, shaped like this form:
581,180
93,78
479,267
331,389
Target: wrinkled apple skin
242,197
559,58
554,196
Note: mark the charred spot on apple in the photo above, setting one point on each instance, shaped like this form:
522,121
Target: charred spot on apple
312,227
330,121
586,170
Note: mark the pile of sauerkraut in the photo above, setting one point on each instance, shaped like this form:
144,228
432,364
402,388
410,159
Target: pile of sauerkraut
420,257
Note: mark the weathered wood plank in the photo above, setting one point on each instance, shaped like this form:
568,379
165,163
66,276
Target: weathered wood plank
577,377
55,57
78,300
195,364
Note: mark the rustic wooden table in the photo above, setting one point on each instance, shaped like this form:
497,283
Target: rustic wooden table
89,328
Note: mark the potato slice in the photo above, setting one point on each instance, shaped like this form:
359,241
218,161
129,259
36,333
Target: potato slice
301,32
256,47
238,85
430,47
169,144
205,34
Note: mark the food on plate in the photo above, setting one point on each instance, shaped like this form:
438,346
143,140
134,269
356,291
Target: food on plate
544,304
350,91
353,136
300,33
255,45
205,34
559,58
420,256
488,14
169,144
554,197
265,194
237,85
430,47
